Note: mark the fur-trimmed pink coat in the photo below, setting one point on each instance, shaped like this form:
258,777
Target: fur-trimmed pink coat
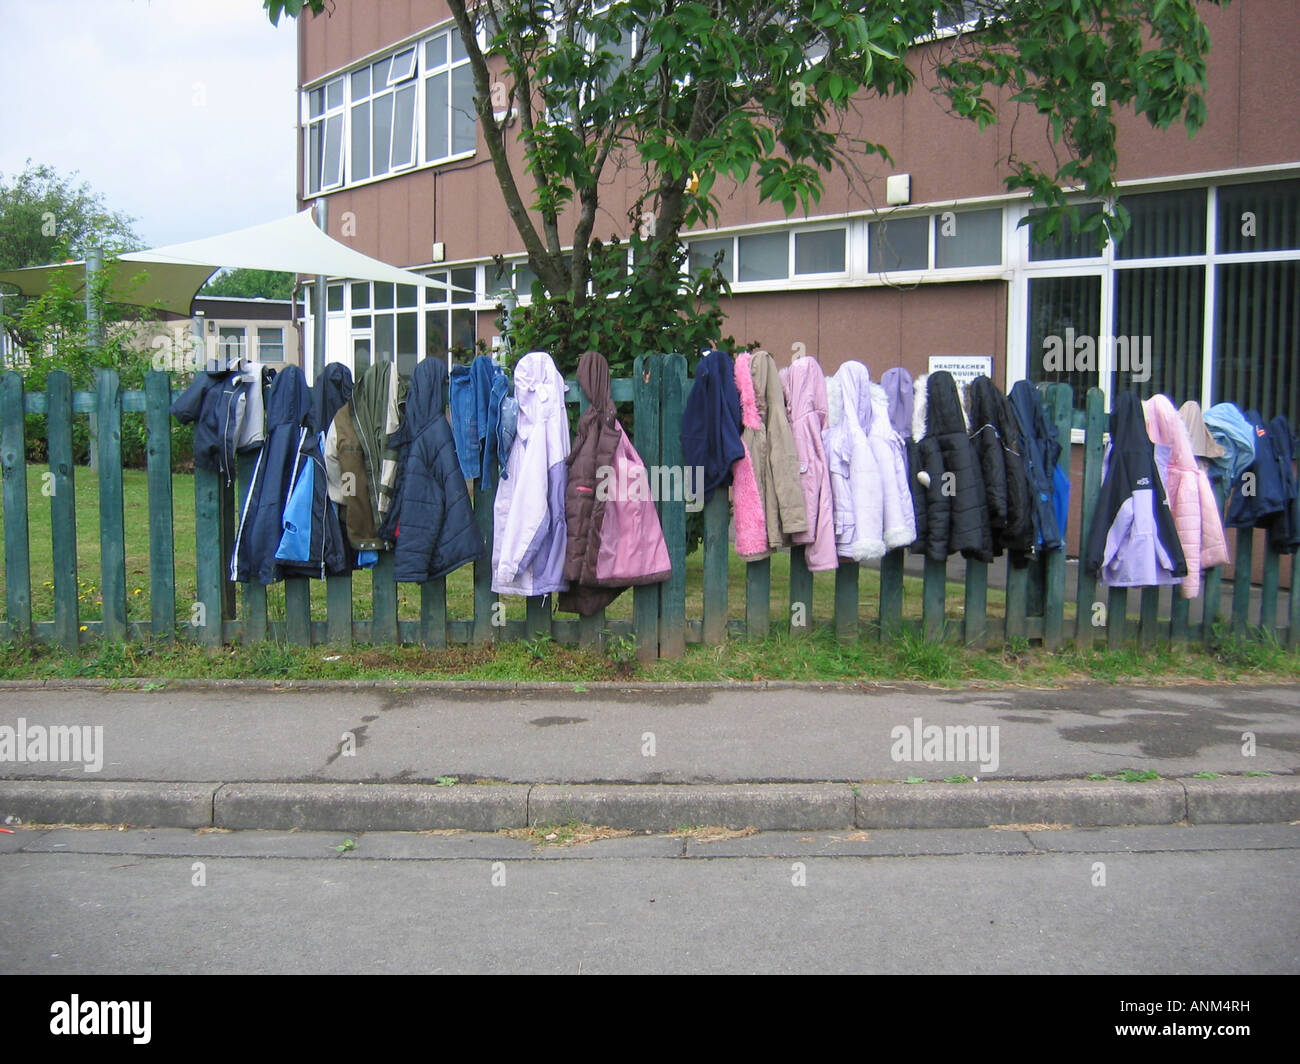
1196,514
746,498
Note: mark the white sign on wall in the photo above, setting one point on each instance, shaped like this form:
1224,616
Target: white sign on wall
964,368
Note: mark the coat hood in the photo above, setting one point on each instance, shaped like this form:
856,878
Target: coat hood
943,412
424,400
855,392
880,422
290,400
897,383
804,385
333,390
1203,444
1166,428
1236,435
539,391
593,376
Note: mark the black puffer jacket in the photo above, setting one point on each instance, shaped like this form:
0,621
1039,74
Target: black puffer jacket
996,436
957,516
434,523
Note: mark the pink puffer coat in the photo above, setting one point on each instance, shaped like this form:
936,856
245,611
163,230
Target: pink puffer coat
1196,516
746,499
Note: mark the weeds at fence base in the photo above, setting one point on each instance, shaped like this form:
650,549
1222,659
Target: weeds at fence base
813,657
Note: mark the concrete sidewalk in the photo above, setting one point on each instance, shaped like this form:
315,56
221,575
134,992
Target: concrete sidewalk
360,757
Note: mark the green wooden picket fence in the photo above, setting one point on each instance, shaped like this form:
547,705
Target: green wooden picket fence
1036,597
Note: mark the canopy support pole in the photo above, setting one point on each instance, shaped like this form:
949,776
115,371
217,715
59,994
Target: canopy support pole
318,319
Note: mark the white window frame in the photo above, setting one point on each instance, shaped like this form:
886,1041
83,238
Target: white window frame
322,120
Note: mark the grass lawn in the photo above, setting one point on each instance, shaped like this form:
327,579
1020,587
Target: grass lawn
460,588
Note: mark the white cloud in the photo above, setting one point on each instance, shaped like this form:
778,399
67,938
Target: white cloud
180,112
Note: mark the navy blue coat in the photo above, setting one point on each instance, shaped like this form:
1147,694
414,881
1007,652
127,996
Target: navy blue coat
261,523
431,514
1042,450
711,421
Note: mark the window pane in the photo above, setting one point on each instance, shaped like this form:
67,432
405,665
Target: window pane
334,94
406,296
383,296
361,321
765,257
232,342
820,252
435,52
361,84
360,295
1257,337
360,356
403,67
1159,328
968,238
1068,244
524,278
435,117
457,46
1259,217
1064,315
382,116
704,251
270,345
404,126
385,338
333,170
313,158
380,70
465,278
435,334
407,345
316,102
361,142
334,296
462,114
901,244
1164,223
464,331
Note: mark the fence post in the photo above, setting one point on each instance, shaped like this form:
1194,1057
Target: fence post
672,514
112,525
977,603
801,589
383,595
647,381
934,586
1093,448
162,543
1241,580
484,498
758,597
891,593
846,601
1268,588
13,462
716,512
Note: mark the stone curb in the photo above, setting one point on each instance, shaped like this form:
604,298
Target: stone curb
664,807
370,806
173,805
362,807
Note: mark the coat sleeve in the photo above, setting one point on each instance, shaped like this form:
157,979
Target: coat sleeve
938,506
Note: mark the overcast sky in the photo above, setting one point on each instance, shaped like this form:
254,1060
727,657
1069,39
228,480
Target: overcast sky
179,112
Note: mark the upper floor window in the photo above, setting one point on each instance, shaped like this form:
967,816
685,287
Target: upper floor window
383,116
375,120
448,98
325,136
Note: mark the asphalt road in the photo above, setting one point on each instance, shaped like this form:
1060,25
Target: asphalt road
1141,900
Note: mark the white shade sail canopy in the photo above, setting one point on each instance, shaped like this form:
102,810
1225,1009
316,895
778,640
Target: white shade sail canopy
173,275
